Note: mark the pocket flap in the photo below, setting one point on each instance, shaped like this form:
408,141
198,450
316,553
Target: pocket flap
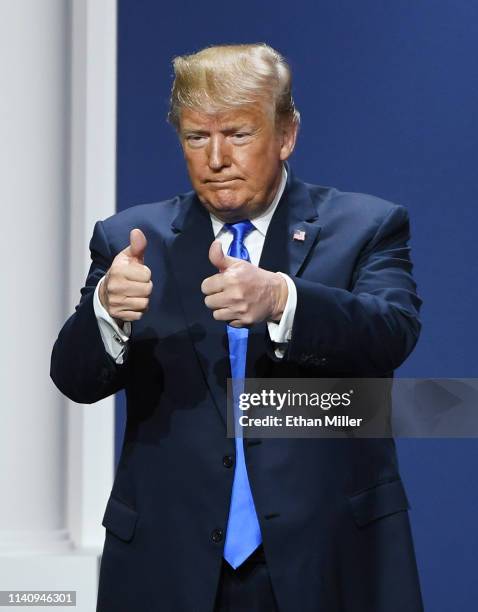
120,519
381,500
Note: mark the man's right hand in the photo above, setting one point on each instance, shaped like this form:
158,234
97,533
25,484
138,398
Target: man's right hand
126,288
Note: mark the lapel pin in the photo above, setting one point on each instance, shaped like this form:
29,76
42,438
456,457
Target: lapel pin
299,235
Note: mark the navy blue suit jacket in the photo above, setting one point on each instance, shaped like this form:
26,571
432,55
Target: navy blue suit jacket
333,512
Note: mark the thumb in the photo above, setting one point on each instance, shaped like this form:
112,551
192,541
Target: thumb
137,244
217,257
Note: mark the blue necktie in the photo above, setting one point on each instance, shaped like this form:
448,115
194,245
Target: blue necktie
243,533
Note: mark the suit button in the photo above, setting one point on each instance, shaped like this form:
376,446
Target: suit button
217,535
323,361
227,461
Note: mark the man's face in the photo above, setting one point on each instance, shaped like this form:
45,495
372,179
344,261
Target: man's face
235,159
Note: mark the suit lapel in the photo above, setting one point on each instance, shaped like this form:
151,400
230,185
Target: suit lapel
295,212
188,249
284,253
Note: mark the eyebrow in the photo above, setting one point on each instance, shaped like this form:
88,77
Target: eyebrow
192,130
227,129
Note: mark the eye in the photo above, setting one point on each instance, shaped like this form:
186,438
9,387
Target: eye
195,140
240,137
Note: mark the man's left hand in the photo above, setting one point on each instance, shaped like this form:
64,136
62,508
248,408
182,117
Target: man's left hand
241,293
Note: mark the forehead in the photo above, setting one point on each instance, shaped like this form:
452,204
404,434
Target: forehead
252,115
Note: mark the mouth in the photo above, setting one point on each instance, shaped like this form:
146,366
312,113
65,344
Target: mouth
221,181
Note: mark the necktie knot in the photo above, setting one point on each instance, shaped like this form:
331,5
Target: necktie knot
239,230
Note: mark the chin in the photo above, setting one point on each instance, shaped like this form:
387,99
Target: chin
228,213
227,202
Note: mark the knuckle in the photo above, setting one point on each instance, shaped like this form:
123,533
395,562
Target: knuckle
237,272
238,296
115,287
229,278
117,270
111,287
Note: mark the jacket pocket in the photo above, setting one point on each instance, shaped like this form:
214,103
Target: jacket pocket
120,519
382,500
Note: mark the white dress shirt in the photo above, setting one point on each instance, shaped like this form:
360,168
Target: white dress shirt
115,338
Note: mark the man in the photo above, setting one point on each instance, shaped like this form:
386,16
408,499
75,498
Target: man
256,274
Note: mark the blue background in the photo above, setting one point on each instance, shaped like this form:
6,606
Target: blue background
388,93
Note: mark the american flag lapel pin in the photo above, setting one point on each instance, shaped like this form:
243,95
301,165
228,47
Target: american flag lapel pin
299,235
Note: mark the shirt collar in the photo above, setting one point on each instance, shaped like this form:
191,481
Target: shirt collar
261,223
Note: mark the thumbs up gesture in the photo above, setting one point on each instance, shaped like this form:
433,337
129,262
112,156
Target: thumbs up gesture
242,294
126,288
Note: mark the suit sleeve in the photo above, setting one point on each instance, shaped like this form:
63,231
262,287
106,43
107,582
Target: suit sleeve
370,329
80,366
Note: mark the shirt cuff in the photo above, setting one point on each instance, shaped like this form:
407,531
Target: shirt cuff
281,333
114,338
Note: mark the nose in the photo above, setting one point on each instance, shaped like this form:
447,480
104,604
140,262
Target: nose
218,152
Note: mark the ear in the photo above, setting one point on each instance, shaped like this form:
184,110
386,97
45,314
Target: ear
288,137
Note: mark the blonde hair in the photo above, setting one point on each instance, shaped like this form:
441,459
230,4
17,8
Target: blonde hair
225,77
